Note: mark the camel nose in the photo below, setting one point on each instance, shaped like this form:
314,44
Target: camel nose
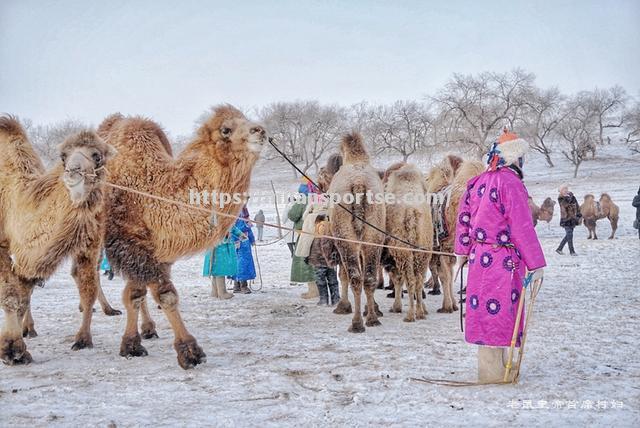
258,130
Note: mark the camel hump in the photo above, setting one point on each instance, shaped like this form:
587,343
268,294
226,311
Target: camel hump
353,148
135,132
10,129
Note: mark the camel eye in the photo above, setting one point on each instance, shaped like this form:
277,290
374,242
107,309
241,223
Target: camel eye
225,131
63,157
97,157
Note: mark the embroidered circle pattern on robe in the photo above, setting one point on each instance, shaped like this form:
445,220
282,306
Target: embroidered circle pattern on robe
514,295
493,194
508,264
474,302
464,239
481,190
503,237
481,235
485,260
493,306
465,218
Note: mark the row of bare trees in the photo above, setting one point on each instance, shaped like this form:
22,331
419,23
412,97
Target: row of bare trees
463,116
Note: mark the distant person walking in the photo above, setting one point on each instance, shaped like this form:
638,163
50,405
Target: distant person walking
259,219
570,217
636,203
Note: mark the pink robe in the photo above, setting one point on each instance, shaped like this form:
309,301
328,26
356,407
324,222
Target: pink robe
495,230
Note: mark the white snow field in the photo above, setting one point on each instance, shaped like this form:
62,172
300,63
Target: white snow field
274,359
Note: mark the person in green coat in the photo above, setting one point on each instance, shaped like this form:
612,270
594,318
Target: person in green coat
300,270
223,263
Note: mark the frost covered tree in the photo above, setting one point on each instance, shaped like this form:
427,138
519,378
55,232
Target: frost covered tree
632,127
477,106
543,114
579,132
47,138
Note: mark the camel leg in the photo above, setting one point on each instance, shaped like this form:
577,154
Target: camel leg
371,264
14,300
446,276
412,290
397,302
147,326
28,327
344,306
104,303
354,274
133,296
87,280
614,226
186,346
421,310
433,267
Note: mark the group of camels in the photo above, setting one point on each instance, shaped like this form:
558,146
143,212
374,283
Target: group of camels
84,203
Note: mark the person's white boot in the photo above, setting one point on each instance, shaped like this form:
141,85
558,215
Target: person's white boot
222,289
312,293
490,364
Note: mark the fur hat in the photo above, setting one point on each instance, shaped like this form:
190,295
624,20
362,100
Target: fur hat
508,149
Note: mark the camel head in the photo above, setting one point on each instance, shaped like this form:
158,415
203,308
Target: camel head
232,135
589,198
326,173
605,198
392,168
84,156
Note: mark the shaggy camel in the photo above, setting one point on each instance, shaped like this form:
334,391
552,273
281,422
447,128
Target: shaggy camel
446,183
144,237
593,211
409,218
356,180
45,217
543,212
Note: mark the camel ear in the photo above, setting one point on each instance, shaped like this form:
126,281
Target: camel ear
111,152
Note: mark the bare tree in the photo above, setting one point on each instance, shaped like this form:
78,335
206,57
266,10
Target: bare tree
478,106
47,138
632,127
544,112
608,107
578,131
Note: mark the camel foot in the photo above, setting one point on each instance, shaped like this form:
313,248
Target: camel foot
421,316
445,310
366,310
356,327
14,352
396,309
148,331
189,353
409,318
344,307
29,332
82,341
131,347
111,312
373,322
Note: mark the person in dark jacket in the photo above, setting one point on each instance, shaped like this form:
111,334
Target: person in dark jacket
326,275
636,203
570,217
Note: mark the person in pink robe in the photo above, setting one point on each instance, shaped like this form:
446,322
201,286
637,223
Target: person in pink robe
495,232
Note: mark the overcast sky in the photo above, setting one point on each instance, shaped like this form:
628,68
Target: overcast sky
170,60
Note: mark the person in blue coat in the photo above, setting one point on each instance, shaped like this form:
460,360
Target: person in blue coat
246,268
106,267
222,261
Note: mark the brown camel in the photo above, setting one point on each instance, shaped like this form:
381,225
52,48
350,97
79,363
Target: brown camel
144,237
543,212
593,211
357,184
409,218
446,184
45,217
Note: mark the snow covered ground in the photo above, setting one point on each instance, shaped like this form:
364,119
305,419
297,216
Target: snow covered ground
274,359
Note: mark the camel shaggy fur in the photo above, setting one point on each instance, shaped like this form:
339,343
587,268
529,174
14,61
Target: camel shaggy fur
46,217
543,212
449,177
144,236
593,211
352,183
409,218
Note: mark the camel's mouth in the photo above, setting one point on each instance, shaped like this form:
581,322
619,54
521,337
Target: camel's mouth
79,183
256,143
